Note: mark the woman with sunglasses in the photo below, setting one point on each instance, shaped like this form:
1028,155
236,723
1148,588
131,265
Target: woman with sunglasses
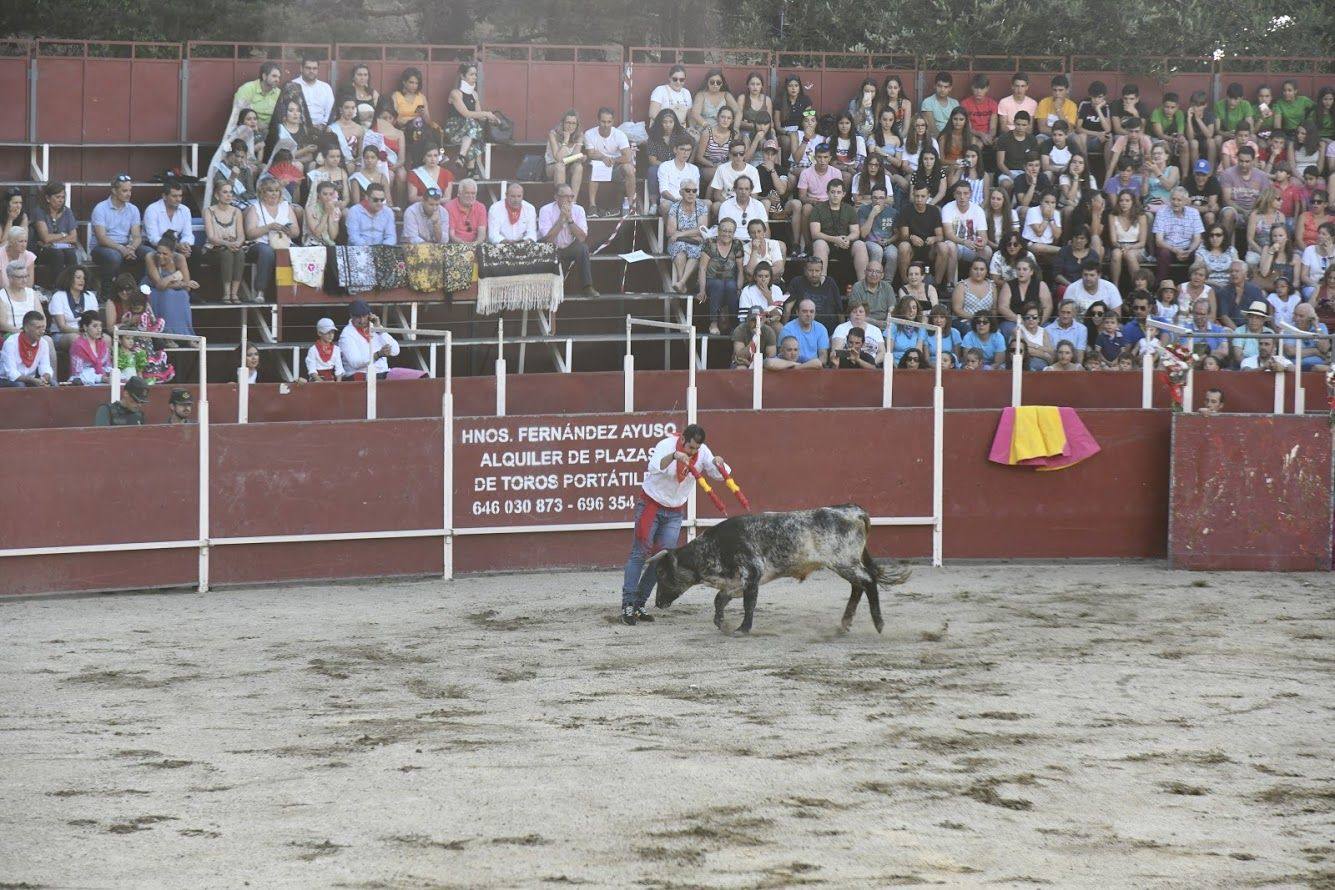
687,220
1217,255
1311,220
985,340
1011,251
1035,341
712,98
671,96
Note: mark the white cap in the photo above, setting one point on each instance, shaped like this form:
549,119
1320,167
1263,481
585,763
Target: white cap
325,325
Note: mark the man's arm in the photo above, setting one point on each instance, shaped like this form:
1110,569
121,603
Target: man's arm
411,231
388,236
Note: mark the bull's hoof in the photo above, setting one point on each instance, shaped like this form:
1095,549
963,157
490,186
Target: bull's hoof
718,620
742,631
843,628
880,625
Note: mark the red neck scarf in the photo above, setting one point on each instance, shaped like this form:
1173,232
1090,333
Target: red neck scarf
28,352
683,469
325,350
365,332
514,214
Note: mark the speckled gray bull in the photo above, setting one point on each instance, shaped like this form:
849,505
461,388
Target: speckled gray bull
739,554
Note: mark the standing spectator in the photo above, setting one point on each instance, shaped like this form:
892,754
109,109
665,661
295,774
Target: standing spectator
71,301
565,151
1066,327
671,96
168,278
821,290
468,218
371,222
1009,107
169,214
1316,259
116,229
56,232
425,222
1242,185
1178,230
129,411
90,352
17,297
513,219
834,231
26,359
938,106
721,275
813,338
982,111
260,95
270,225
324,360
671,175
609,152
225,237
318,94
563,224
687,221
922,238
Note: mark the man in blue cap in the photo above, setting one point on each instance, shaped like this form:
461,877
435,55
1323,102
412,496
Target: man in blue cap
361,344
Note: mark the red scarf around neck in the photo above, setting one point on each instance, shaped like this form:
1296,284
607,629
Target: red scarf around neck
365,332
325,350
683,469
28,352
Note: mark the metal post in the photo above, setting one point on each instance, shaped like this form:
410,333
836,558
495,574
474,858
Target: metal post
1188,390
1279,394
500,367
888,380
570,355
370,387
242,394
757,372
203,429
1017,373
447,464
432,367
938,458
628,375
1299,395
115,365
691,406
1147,377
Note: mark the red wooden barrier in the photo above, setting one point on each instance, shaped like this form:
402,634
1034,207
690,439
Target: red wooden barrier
108,91
14,61
217,68
536,84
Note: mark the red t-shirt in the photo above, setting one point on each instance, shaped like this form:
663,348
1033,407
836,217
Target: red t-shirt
980,113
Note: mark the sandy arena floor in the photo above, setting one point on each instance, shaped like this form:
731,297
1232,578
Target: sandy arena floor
1073,726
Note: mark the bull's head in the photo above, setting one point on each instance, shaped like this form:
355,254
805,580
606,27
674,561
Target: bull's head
673,577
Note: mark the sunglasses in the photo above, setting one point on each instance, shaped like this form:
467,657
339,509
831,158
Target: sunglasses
715,82
739,154
1216,234
686,188
1031,318
678,80
122,177
434,193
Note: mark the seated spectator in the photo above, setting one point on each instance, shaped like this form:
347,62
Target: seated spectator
1035,342
285,171
329,168
90,352
847,149
1066,327
759,247
886,144
1205,330
755,114
117,232
982,111
900,338
973,360
71,301
27,359
917,142
1313,354
965,226
813,189
610,153
813,338
1266,358
720,275
1178,230
17,297
916,287
790,109
741,207
712,97
672,174
271,224
951,340
468,218
671,96
687,221
1126,179
409,102
874,292
1028,189
1010,108
1093,123
855,352
225,239
1111,341
1196,287
169,214
324,360
1284,301
858,320
872,176
373,169
1137,329
1093,287
430,174
324,218
425,222
371,222
834,231
1011,250
513,219
250,363
725,176
1057,108
245,138
1293,198
1256,321
1132,145
761,293
1236,293
564,155
55,231
1028,289
180,407
16,250
821,290
931,174
1216,255
122,291
360,345
970,172
129,410
1165,307
1076,186
232,171
1230,149
1014,146
1291,108
563,224
938,106
878,228
168,278
1077,249
1161,177
790,355
1316,259
979,292
1242,185
922,238
291,130
987,341
259,95
1065,358
1129,229
347,133
743,337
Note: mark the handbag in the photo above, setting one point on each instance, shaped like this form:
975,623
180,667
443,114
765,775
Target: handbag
280,240
502,130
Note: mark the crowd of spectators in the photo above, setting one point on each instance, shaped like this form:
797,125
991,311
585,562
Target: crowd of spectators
1059,222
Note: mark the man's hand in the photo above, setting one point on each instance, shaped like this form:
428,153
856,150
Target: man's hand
718,462
681,456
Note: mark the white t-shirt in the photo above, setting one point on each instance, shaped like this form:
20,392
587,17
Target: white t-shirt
60,306
314,363
725,176
1250,362
1106,291
964,223
611,145
670,178
678,100
1034,217
874,336
1312,259
729,209
753,298
662,484
773,251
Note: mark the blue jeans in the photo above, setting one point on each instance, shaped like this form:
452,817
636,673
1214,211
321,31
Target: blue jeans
264,258
664,534
108,262
723,298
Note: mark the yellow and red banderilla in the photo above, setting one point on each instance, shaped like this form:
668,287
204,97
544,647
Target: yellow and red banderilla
727,481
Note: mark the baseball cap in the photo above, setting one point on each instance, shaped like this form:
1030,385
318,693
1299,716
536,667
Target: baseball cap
181,397
325,325
1201,166
771,143
137,389
359,307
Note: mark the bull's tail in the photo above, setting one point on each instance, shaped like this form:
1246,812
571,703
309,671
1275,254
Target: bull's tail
890,575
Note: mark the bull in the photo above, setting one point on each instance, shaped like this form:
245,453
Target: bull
739,554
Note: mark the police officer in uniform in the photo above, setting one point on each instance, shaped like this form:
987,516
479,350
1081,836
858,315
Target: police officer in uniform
129,410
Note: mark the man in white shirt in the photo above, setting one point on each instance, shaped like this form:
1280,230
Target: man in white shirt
741,208
319,95
609,152
513,219
966,225
425,222
361,344
721,186
1267,358
168,213
668,481
857,318
25,359
672,174
1092,288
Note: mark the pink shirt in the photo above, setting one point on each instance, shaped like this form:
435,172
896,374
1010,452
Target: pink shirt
465,224
817,184
1008,107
